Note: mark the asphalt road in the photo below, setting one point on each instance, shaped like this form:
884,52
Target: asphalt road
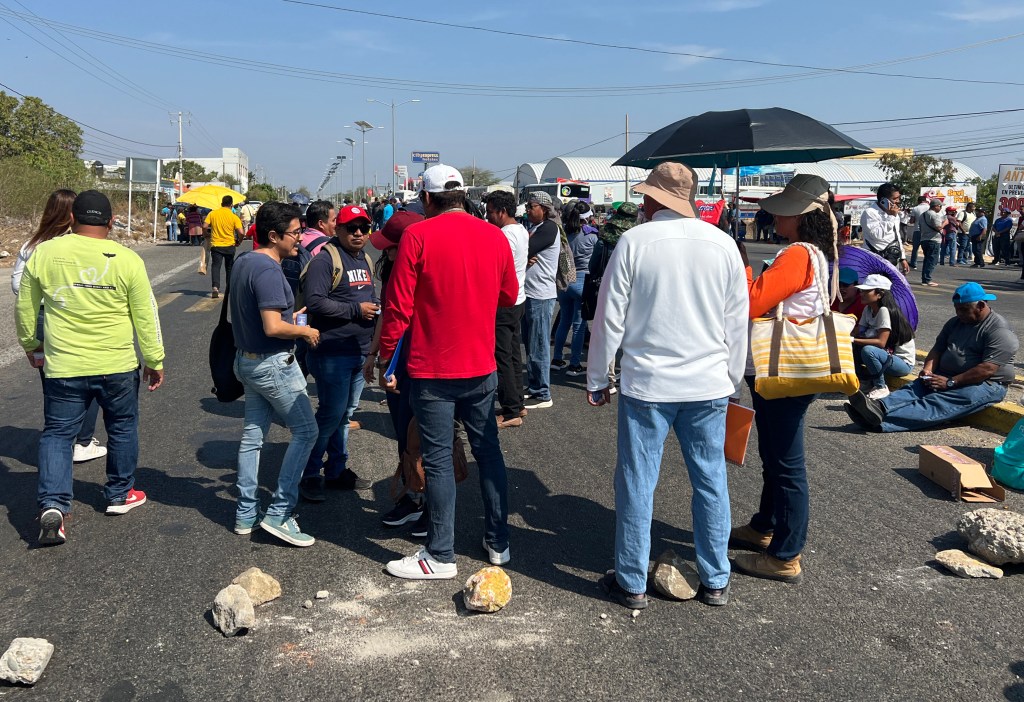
126,600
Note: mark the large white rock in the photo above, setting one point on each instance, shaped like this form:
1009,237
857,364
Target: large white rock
966,566
25,660
232,610
674,578
997,535
261,587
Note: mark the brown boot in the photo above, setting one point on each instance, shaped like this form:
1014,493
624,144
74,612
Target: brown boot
761,565
748,538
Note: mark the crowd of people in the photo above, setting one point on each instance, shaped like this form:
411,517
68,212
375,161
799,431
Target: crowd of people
460,337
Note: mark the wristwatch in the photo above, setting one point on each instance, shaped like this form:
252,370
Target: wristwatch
950,384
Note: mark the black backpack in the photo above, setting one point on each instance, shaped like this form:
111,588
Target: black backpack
592,284
226,386
293,267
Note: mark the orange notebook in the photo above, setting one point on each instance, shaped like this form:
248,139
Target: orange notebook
738,420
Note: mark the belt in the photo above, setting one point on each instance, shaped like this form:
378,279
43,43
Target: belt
258,356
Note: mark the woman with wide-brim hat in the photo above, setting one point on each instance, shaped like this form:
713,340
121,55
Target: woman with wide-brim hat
778,530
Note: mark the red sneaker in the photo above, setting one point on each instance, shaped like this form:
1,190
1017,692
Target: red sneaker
133,499
51,527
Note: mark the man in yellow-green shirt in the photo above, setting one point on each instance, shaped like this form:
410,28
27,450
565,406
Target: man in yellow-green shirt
225,234
97,298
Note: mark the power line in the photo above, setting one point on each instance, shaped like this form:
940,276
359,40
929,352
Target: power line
907,119
666,52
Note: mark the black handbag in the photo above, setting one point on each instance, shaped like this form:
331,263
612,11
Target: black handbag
592,285
226,385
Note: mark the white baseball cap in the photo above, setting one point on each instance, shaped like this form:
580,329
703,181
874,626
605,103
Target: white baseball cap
435,178
875,281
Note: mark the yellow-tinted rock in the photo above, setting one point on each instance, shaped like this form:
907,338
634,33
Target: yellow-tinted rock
261,587
488,590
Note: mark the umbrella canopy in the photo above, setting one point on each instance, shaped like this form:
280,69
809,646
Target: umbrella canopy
210,196
742,137
866,263
298,199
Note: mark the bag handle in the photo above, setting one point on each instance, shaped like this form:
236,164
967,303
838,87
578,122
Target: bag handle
818,264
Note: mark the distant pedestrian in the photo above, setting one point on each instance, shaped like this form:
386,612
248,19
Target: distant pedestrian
932,222
977,236
225,234
674,300
98,299
262,307
451,274
880,225
541,269
963,240
1001,229
916,213
570,300
950,232
194,224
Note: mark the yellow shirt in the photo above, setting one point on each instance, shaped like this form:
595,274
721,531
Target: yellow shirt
222,224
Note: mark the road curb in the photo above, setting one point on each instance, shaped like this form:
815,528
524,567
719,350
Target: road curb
1000,417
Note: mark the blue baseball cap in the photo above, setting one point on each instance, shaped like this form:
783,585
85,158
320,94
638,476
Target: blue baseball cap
971,292
848,276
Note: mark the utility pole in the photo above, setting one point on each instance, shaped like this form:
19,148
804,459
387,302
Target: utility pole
181,157
394,156
363,126
625,195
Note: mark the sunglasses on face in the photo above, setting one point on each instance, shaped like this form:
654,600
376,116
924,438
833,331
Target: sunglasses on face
361,228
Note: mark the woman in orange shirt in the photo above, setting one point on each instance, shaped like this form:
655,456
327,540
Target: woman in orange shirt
778,531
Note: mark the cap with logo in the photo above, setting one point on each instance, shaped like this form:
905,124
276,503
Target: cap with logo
92,208
351,213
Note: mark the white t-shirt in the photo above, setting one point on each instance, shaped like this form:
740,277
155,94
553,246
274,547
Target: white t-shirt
519,240
871,324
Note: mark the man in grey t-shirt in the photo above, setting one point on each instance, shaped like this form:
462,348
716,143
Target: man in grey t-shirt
931,223
967,369
542,267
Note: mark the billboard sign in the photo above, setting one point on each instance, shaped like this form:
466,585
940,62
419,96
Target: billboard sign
426,157
1010,188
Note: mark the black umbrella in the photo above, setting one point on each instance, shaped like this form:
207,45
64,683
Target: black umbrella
742,137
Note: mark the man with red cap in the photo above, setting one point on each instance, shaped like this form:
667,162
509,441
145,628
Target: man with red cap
342,304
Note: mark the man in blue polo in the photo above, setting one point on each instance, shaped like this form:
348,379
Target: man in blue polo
968,369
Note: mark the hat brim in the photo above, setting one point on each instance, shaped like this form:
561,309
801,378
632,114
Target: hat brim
789,204
872,287
987,297
381,242
669,200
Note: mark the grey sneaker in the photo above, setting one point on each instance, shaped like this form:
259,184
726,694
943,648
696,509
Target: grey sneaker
286,530
245,526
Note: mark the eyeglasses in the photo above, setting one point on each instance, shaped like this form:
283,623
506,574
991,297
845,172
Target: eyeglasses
294,232
353,228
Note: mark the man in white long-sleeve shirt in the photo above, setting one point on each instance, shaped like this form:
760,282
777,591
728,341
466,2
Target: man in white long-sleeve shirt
674,299
880,225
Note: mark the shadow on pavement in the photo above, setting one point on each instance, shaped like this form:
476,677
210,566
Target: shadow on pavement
927,487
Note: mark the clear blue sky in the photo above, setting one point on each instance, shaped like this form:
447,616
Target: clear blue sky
288,124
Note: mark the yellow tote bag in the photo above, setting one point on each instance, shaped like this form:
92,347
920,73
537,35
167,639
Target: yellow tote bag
804,357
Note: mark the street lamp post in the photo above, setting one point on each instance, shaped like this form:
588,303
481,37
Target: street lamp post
394,162
363,126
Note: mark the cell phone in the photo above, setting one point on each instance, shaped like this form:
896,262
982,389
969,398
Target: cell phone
885,203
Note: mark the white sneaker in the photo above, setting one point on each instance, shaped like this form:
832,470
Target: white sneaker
420,566
537,403
89,452
494,557
612,389
878,393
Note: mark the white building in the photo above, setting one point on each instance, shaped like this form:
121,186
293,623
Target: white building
232,162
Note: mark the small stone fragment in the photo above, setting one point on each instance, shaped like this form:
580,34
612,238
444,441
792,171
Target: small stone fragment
261,587
603,615
994,534
232,610
309,630
674,578
487,590
322,594
5,254
25,660
635,613
415,663
308,604
966,566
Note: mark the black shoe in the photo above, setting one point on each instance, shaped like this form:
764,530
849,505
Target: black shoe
575,370
348,480
419,529
715,597
559,365
405,511
871,410
312,490
856,418
610,586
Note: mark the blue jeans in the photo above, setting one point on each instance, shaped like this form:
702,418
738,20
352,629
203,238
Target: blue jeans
570,305
273,384
172,230
65,405
435,404
339,383
963,244
876,363
916,406
948,251
930,251
916,244
784,511
537,335
643,428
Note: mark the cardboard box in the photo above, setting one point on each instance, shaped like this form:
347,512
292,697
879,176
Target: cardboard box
964,477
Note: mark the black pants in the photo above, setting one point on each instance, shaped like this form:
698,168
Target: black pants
979,253
508,354
218,254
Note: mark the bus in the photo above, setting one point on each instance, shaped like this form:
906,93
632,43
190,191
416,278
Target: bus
562,192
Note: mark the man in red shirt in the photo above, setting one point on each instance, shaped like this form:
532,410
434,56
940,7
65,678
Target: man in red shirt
451,274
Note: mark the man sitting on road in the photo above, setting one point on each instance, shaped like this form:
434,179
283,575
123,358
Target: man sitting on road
97,297
967,369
